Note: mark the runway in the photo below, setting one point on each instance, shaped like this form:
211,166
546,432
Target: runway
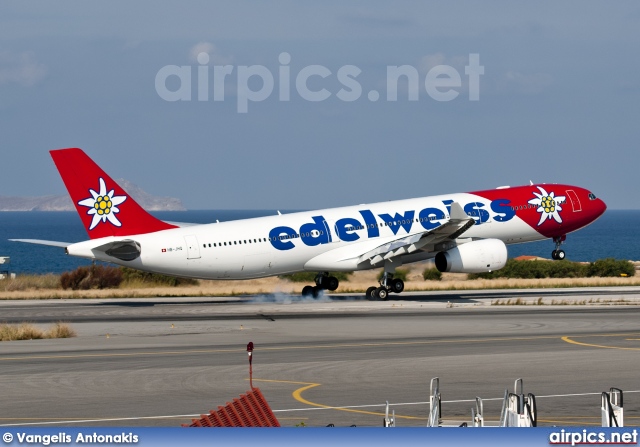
160,362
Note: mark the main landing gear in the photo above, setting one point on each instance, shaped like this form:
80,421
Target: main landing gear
557,254
323,282
388,284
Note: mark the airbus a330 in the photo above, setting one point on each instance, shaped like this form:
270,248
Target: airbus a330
464,232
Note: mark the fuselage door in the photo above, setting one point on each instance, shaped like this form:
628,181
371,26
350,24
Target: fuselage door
330,229
193,248
575,201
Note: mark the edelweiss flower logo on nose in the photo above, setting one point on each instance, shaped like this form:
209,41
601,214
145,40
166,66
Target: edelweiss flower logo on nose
548,205
103,206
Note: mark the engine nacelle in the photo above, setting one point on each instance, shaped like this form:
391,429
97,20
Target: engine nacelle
473,257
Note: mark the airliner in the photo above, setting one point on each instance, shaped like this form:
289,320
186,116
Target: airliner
462,232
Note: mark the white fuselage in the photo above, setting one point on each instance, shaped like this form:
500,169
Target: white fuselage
322,240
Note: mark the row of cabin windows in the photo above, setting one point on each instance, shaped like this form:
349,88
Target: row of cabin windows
294,236
254,241
224,244
523,207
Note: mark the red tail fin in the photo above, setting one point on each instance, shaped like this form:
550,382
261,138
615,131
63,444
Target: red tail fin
104,207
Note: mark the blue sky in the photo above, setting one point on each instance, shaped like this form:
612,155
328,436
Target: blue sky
559,99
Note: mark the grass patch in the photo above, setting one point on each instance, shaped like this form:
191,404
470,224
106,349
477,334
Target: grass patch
540,302
60,330
27,331
132,278
509,302
30,282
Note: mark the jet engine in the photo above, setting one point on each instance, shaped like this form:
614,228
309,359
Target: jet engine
473,257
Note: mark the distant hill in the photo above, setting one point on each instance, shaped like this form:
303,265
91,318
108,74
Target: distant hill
63,203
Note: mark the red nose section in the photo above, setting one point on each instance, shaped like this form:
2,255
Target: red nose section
104,207
581,209
551,209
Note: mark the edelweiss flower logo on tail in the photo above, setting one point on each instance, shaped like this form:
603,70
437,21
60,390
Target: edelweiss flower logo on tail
548,205
103,206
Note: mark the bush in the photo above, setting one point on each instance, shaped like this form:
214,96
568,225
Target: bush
536,270
559,269
311,276
611,267
567,269
93,277
432,274
399,274
132,276
60,330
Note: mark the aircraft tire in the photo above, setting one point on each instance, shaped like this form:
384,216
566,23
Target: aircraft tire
560,255
316,291
332,283
307,291
382,293
554,255
370,294
397,286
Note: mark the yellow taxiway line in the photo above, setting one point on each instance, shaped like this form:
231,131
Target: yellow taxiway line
592,345
297,395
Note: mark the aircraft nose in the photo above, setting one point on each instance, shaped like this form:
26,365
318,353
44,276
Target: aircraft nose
602,207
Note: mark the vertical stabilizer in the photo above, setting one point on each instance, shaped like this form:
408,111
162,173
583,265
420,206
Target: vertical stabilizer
104,207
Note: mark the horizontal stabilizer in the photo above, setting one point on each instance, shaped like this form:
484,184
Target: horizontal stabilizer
181,224
41,242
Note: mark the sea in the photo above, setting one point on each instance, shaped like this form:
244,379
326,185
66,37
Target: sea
615,235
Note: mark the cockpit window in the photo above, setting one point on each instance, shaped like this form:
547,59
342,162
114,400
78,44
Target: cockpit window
592,196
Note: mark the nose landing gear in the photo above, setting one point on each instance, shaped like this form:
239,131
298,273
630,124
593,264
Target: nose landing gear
557,254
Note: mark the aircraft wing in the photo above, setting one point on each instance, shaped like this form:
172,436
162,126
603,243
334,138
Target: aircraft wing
457,224
353,256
